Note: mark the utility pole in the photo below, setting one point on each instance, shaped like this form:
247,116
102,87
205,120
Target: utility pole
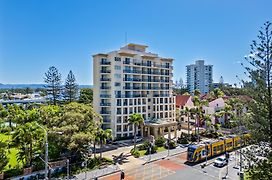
46,155
67,164
46,151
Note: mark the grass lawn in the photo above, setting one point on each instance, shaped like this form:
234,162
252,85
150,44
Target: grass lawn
12,152
160,149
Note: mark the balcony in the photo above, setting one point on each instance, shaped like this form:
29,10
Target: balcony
106,121
105,87
105,62
105,71
105,79
105,112
105,95
105,104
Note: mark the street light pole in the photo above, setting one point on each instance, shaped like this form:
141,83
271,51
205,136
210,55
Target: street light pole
46,151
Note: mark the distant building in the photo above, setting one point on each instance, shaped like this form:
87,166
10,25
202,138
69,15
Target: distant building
199,76
131,80
219,85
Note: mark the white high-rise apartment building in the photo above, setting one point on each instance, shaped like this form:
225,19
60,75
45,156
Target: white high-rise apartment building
199,76
131,80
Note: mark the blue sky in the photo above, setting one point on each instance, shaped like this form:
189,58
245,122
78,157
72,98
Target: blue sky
65,33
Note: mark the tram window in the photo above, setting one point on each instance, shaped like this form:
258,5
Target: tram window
214,149
221,148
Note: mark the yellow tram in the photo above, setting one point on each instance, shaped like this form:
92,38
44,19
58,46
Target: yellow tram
196,153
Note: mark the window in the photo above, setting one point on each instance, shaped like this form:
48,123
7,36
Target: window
119,128
117,84
117,76
117,67
117,58
119,119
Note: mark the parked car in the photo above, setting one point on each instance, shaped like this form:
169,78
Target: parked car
139,139
220,161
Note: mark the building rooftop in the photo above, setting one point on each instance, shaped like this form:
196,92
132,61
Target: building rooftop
181,100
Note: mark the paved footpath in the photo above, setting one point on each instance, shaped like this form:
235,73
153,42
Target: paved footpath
156,170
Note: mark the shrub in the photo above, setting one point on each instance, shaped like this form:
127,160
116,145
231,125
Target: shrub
153,150
144,146
160,141
135,153
193,137
182,141
13,172
172,145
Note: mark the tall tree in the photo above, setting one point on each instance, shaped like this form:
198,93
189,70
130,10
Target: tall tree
53,80
86,96
260,108
136,120
260,59
71,87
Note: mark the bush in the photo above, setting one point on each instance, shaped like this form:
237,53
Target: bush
182,141
13,172
144,146
153,150
193,137
135,153
160,141
172,145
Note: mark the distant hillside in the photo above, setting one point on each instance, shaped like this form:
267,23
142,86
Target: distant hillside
32,86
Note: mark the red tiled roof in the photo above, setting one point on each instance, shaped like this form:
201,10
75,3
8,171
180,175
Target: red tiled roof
181,100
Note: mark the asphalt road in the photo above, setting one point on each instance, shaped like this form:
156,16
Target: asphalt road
209,172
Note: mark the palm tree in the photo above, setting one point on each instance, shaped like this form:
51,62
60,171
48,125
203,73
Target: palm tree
27,137
102,136
187,112
136,120
208,121
198,110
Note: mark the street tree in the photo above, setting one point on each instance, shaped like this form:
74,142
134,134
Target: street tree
70,88
135,120
103,136
53,80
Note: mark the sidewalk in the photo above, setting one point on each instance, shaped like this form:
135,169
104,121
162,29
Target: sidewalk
99,172
163,154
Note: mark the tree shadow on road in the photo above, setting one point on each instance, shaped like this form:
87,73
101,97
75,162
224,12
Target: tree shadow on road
120,159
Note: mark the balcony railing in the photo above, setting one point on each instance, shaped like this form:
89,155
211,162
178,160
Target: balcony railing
105,104
105,112
105,87
105,71
105,62
105,95
105,79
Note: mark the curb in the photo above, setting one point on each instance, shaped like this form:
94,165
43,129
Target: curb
163,157
107,174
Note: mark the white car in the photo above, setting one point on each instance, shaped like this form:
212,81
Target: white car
139,139
220,161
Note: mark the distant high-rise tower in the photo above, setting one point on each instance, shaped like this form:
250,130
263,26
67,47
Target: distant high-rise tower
221,80
199,76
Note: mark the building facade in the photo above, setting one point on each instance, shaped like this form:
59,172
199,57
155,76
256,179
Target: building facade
199,76
131,80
